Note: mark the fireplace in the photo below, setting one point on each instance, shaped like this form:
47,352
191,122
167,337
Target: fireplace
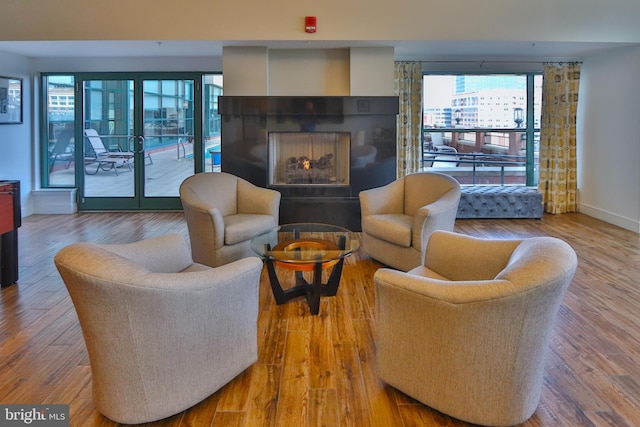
308,158
318,152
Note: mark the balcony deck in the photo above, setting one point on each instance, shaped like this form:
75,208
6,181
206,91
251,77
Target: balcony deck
165,169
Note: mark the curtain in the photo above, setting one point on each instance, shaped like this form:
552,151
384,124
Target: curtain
557,181
408,87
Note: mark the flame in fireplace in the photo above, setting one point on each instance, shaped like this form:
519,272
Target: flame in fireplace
306,164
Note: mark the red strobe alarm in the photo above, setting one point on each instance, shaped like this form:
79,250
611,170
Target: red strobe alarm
310,24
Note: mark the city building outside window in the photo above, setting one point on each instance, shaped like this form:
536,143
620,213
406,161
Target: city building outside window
482,129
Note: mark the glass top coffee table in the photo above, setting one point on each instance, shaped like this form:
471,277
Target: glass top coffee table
303,247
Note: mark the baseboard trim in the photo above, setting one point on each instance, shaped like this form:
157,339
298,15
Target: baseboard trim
610,217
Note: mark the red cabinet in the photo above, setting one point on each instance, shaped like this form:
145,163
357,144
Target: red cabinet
10,220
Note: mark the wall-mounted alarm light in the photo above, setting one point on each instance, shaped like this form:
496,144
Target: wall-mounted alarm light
310,24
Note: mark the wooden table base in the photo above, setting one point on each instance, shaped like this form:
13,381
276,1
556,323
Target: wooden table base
311,291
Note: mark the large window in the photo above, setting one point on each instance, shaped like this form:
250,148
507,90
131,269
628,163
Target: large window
482,129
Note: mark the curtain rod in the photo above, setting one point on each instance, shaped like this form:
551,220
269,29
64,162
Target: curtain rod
482,61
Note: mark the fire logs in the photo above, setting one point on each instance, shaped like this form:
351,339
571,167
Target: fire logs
302,170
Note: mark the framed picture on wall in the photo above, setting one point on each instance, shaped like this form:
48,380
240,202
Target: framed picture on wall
10,100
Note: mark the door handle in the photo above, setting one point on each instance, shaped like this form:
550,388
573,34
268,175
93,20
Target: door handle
131,143
141,142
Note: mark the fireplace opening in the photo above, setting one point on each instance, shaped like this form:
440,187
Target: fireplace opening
309,158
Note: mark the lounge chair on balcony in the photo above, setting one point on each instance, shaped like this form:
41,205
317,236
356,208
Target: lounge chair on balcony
446,157
96,152
62,150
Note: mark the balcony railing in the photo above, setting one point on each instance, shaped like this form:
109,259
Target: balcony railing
478,168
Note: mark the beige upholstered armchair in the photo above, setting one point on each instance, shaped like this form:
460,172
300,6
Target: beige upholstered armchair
224,213
466,333
162,333
398,218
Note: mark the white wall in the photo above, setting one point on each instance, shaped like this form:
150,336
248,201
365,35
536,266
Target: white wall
301,72
609,138
366,83
16,140
246,71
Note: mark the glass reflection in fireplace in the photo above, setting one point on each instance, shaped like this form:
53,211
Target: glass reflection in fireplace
309,158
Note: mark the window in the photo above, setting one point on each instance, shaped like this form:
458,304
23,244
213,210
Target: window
482,129
57,134
212,89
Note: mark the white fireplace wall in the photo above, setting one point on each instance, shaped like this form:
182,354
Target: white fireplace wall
258,71
324,72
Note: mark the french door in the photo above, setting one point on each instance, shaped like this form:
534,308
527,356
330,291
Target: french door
140,138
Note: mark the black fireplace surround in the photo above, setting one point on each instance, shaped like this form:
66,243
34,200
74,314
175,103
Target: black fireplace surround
319,152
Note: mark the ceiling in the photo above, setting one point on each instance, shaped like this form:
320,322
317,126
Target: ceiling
417,50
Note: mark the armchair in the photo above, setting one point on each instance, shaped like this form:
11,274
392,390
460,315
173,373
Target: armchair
224,212
398,218
467,331
162,332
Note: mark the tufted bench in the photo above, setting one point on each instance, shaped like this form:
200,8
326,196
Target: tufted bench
500,202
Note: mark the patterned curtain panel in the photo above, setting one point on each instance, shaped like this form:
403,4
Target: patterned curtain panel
408,87
557,181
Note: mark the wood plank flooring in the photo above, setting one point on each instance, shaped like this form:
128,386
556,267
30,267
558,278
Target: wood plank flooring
320,370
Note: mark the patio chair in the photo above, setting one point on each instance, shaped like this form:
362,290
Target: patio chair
447,157
96,152
437,139
62,150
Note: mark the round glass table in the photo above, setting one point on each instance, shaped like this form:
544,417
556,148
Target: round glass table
306,247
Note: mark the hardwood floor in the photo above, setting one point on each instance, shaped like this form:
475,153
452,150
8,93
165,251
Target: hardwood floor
320,370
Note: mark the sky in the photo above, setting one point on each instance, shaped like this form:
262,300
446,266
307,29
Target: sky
438,91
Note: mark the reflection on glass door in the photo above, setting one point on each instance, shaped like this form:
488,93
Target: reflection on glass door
108,137
168,135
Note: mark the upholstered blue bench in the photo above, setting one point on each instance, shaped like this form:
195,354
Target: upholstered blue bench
500,202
